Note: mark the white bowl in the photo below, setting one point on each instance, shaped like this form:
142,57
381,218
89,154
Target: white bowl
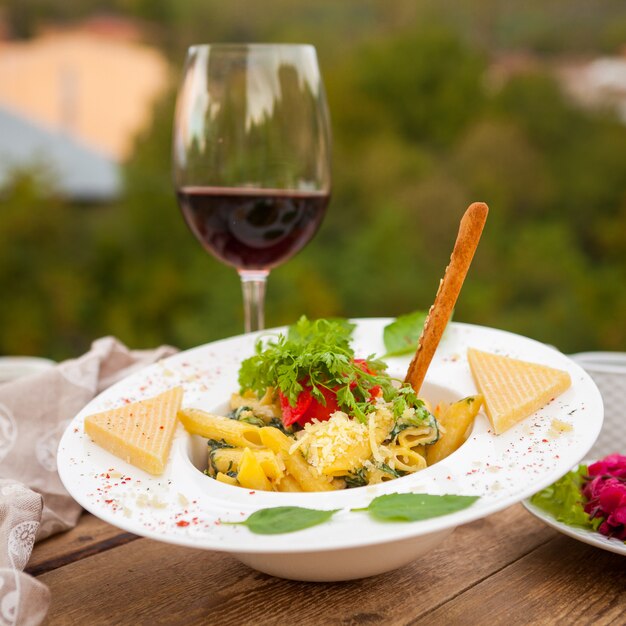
185,507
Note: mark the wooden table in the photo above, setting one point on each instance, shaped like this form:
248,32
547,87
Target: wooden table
506,569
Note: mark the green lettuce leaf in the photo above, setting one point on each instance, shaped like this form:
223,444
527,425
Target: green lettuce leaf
564,499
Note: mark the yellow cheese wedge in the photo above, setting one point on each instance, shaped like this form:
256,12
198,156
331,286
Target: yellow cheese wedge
513,389
140,432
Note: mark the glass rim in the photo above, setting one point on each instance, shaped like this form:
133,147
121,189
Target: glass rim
253,46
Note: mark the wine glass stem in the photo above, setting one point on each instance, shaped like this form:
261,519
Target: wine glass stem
253,287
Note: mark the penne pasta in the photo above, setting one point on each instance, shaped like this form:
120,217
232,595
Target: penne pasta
224,460
288,483
350,460
229,459
265,407
456,421
405,459
415,436
312,416
251,474
321,436
233,432
225,478
377,475
295,464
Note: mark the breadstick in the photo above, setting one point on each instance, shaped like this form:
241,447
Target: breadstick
450,285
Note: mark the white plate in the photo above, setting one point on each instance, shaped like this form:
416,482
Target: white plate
13,367
591,537
185,507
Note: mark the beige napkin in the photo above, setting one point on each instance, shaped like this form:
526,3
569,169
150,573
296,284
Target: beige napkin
34,412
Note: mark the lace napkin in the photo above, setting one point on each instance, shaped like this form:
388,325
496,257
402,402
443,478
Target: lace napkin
34,412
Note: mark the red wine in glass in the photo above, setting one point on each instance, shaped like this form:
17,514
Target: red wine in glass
251,157
252,229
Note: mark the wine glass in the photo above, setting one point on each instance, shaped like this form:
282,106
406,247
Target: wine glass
251,156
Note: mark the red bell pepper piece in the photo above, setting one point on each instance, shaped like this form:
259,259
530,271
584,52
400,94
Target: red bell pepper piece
308,408
293,414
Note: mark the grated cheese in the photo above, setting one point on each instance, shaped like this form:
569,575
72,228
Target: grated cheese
344,440
558,427
372,437
323,443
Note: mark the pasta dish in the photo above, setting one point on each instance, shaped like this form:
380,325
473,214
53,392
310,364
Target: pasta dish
310,416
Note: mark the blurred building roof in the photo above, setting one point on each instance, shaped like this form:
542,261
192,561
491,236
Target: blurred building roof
590,82
73,169
596,83
92,81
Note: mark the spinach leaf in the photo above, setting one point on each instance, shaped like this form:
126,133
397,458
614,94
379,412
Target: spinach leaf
276,422
421,417
412,507
283,519
357,478
401,336
392,472
214,445
252,419
246,414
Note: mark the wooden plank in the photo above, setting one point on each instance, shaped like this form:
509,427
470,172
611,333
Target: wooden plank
200,585
90,536
562,582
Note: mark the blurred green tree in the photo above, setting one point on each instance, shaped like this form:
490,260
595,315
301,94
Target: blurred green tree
418,135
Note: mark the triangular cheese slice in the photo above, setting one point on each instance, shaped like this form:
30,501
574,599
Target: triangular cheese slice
140,432
513,389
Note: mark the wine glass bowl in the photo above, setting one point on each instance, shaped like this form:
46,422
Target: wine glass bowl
251,156
252,228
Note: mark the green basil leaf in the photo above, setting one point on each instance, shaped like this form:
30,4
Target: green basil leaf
401,336
284,519
412,507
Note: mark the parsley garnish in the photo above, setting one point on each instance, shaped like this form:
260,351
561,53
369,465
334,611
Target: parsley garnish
317,353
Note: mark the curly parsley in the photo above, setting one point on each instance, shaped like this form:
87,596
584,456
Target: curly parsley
317,353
